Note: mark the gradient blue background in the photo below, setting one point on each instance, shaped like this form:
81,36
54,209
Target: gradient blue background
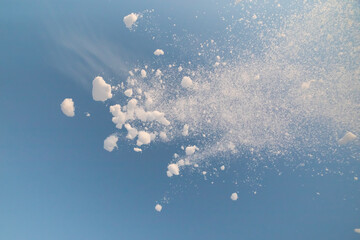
57,182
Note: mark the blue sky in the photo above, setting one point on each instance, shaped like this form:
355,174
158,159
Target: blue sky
58,182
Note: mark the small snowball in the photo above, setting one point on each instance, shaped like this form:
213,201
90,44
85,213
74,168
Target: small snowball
222,168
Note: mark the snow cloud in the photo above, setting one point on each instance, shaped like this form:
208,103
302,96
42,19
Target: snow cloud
67,107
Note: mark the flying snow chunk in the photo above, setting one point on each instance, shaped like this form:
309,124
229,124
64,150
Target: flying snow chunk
173,169
185,131
101,91
137,150
119,117
357,230
143,73
348,137
163,136
234,196
158,207
190,150
143,138
132,132
128,92
158,52
110,143
130,20
186,82
222,168
67,107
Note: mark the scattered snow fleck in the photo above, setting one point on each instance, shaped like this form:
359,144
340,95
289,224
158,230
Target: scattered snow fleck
222,168
356,178
158,52
110,143
87,114
158,207
357,230
101,91
67,107
234,196
180,68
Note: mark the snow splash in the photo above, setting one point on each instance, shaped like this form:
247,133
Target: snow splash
299,93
